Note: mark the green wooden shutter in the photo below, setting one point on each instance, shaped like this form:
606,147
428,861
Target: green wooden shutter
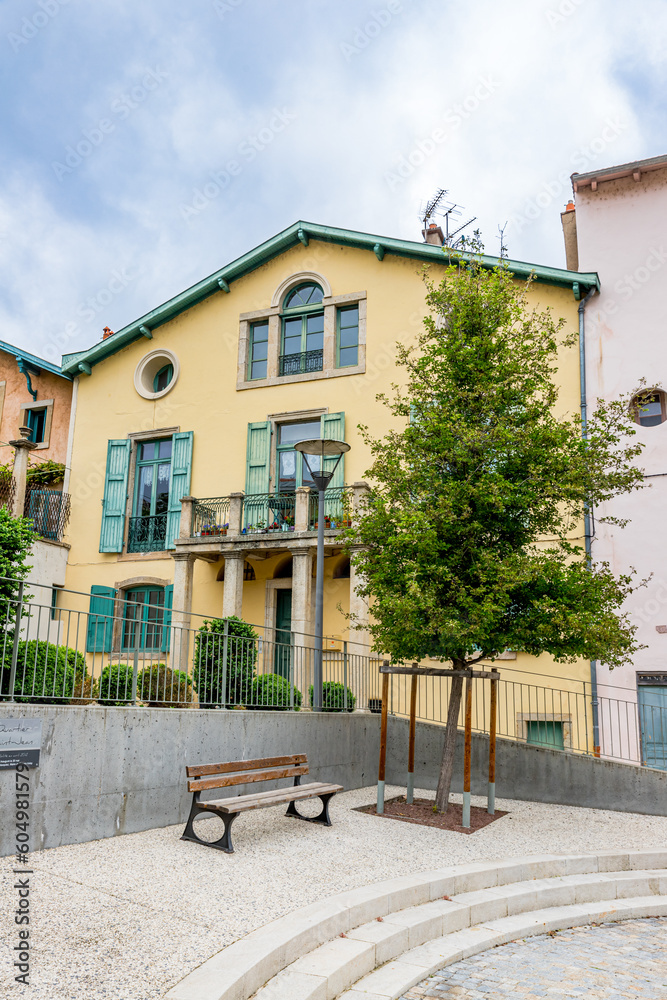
100,620
333,426
181,466
258,458
115,496
166,631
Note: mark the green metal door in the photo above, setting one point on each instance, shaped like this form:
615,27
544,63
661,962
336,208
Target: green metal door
283,655
653,723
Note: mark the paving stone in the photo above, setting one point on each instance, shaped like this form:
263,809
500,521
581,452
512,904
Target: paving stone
614,961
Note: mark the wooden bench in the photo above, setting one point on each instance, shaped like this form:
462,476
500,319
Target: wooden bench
242,772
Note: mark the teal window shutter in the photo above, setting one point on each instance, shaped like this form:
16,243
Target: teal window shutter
181,467
115,496
258,458
168,603
333,426
100,620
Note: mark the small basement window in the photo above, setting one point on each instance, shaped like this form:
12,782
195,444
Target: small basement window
649,408
545,734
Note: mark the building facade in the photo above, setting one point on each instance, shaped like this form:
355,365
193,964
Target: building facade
617,224
187,492
37,397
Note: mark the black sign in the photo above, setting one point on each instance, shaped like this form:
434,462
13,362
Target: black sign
20,742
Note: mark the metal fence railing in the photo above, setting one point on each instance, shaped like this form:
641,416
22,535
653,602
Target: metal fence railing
211,517
300,363
337,508
268,512
111,650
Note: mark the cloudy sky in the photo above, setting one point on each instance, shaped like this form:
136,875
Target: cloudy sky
145,144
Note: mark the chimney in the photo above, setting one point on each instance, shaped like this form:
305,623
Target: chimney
434,235
568,220
106,333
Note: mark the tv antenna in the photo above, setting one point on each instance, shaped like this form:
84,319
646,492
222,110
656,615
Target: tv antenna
439,205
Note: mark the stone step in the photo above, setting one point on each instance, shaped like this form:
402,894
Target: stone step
395,978
326,972
240,970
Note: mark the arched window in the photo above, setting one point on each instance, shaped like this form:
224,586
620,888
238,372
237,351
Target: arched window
302,339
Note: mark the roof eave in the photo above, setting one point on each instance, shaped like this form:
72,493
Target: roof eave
301,232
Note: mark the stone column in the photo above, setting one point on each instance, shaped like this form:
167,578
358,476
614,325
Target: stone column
181,640
301,509
302,620
235,514
358,491
22,447
359,641
187,517
232,598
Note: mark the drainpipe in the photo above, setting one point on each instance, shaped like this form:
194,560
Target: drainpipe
588,534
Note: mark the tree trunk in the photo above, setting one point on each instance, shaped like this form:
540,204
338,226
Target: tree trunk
447,763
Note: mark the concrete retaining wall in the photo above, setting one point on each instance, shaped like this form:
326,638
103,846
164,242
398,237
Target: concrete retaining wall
529,772
107,771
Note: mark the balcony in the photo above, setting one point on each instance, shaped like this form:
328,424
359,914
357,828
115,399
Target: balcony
49,512
264,521
301,364
147,534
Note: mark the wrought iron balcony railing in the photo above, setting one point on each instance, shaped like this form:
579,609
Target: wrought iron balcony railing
147,534
266,512
211,517
49,512
337,508
300,364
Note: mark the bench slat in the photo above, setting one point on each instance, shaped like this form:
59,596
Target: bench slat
195,770
242,803
245,779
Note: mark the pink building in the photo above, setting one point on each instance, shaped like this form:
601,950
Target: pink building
618,228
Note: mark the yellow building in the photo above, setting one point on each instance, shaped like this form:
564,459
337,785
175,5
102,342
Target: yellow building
186,489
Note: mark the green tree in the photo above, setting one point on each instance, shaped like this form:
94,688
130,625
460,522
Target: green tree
472,532
16,537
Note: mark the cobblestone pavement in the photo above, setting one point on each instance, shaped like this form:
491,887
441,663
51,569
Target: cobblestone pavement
612,961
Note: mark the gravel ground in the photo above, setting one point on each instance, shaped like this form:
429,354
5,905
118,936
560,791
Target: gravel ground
126,918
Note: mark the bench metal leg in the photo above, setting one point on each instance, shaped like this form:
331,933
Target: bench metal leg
225,842
323,817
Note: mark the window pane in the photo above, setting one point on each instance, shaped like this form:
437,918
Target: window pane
349,336
314,341
165,449
154,619
260,351
314,462
289,433
315,324
349,317
258,369
133,618
148,451
260,332
348,356
163,378
287,473
306,295
292,336
145,492
650,411
162,492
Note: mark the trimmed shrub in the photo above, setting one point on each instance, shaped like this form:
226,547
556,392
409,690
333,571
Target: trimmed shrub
86,691
215,682
116,684
161,687
45,674
333,695
272,692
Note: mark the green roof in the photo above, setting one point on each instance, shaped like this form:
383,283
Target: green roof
303,232
19,353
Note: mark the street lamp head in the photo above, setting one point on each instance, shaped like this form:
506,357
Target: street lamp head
319,448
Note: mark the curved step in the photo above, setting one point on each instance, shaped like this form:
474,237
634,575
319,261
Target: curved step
266,955
446,925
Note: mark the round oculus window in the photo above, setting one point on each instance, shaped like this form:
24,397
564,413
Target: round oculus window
156,374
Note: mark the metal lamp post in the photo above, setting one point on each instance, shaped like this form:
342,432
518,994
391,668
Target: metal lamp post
319,448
